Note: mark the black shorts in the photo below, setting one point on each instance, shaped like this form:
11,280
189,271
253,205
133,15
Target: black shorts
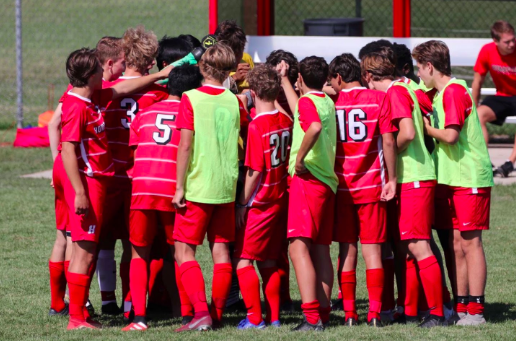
503,106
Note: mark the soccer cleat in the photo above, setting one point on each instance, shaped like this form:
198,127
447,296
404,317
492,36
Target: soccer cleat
351,322
186,319
422,314
375,322
128,316
452,319
306,326
337,305
139,324
246,324
448,312
63,312
90,307
432,321
472,320
462,315
79,324
387,316
406,319
275,324
398,313
203,323
505,169
111,309
94,323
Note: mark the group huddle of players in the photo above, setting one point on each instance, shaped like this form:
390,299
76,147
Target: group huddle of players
269,161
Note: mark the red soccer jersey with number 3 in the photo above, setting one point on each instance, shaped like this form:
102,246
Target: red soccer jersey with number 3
361,119
154,134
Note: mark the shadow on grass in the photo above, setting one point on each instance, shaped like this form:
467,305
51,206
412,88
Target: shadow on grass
499,312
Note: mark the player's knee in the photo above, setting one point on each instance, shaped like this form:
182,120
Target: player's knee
485,114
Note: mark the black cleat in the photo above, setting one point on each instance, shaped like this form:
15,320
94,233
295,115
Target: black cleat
306,326
63,312
453,319
375,322
337,305
350,322
111,309
505,169
128,316
90,308
406,319
432,321
186,319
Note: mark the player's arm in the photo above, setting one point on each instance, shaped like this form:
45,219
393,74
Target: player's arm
252,178
130,86
183,159
290,93
390,157
72,171
309,140
54,130
406,134
476,86
448,135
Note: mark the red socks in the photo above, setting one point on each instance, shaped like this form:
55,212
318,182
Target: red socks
388,303
375,279
221,285
156,265
411,288
186,306
57,285
78,285
430,274
348,286
271,290
193,283
311,311
250,289
461,304
139,278
476,305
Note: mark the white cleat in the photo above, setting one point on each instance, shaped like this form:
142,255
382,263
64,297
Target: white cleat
472,320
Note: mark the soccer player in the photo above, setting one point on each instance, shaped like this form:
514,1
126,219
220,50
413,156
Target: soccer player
172,49
155,139
111,56
365,150
275,58
462,164
261,207
206,186
140,48
499,59
82,168
312,191
416,184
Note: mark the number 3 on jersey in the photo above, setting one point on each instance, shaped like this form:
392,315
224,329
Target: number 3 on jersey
163,129
132,109
357,130
279,146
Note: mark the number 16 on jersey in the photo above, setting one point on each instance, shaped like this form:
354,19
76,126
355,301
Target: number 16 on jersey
356,129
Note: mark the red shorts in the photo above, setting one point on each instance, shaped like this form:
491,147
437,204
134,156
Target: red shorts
83,228
197,219
264,233
365,221
310,209
415,211
115,223
143,226
58,178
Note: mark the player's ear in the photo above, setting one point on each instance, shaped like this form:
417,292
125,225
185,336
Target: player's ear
299,79
339,79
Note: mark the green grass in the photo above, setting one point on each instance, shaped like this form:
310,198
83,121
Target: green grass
27,233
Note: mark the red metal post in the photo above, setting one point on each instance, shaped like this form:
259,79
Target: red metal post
401,18
264,17
408,17
213,15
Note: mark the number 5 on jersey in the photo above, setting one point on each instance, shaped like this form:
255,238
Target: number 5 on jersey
357,130
279,146
163,129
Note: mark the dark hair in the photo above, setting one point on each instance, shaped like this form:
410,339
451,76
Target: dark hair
499,28
347,66
265,81
403,57
373,46
183,78
314,71
277,56
172,49
190,39
81,65
436,53
232,35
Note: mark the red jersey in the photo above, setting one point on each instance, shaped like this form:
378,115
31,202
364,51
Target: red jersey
82,122
154,133
268,147
423,98
95,98
118,116
501,68
362,118
457,105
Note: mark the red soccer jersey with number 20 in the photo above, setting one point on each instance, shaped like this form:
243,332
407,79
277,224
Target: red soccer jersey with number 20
154,134
361,119
268,149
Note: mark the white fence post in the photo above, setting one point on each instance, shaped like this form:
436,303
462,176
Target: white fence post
19,66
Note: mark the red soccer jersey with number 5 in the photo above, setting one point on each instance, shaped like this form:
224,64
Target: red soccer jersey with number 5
268,150
361,119
154,134
119,115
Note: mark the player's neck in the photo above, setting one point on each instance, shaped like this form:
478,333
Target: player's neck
440,81
173,98
210,81
306,90
383,85
85,92
132,73
262,106
346,86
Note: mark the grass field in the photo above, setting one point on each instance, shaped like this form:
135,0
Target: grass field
27,233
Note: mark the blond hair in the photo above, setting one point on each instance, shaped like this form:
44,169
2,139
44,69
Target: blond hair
109,48
217,62
140,47
381,64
